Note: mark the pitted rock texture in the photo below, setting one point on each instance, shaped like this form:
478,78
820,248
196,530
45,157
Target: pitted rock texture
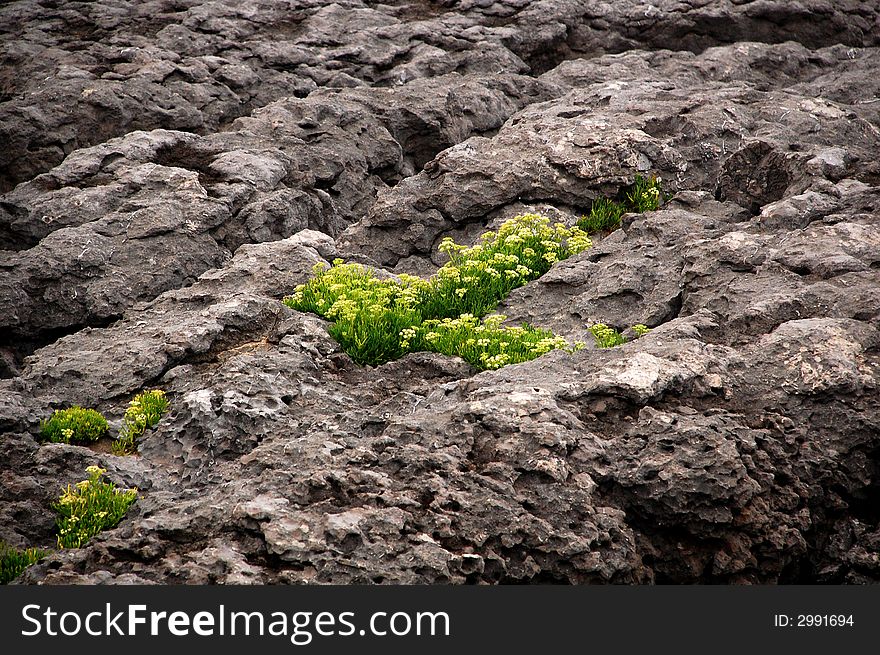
171,170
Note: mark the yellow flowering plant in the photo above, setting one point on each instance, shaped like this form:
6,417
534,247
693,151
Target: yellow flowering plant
144,411
378,320
606,336
485,344
74,425
89,507
477,278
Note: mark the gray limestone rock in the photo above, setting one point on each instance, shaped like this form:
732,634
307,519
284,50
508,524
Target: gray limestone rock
171,171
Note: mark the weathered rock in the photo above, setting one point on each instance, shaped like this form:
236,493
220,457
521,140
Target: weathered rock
710,129
117,224
86,73
172,170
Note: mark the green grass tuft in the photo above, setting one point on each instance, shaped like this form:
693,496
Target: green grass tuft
13,561
604,216
645,194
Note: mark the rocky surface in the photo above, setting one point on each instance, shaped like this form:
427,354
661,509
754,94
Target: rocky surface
171,169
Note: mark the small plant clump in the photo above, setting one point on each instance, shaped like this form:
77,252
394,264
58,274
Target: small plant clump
367,313
378,320
144,411
645,194
13,561
74,425
90,507
477,278
607,337
486,344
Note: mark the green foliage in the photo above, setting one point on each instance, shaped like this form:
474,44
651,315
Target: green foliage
645,194
604,216
477,278
90,507
13,561
74,425
486,344
376,320
606,336
144,411
368,313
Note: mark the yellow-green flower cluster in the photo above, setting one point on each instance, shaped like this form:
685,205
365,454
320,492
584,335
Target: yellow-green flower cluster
477,278
144,411
89,507
607,337
486,344
368,313
74,425
377,320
